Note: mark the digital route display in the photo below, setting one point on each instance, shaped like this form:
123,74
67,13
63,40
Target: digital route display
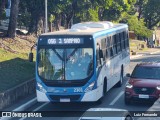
62,41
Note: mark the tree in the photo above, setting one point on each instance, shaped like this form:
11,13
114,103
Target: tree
116,8
55,8
51,19
13,19
86,10
2,9
151,13
36,8
138,27
140,6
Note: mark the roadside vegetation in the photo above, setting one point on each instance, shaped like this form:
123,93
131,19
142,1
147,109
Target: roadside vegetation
14,65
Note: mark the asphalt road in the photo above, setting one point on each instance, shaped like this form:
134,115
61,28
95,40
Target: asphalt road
113,99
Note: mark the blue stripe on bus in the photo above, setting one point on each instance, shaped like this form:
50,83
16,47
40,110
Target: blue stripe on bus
109,31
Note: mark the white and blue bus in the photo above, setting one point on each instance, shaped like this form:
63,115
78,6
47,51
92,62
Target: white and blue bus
82,63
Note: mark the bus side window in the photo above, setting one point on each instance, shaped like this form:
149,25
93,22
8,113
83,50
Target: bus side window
124,37
127,38
111,46
122,40
118,43
111,51
108,46
119,37
107,53
114,45
103,47
98,61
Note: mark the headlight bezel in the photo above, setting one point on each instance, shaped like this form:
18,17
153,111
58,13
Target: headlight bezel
40,87
90,87
128,85
158,87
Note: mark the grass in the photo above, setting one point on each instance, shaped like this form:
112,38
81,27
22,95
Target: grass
14,65
135,45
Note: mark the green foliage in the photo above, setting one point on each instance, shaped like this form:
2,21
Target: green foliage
51,18
151,13
3,15
117,8
24,19
138,27
93,14
63,12
14,66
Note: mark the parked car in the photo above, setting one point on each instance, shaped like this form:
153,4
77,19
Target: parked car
106,114
144,83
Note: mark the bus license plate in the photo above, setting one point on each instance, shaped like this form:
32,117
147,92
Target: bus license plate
64,100
144,96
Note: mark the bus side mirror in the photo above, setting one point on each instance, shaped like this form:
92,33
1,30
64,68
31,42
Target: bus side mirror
100,53
30,57
128,75
31,54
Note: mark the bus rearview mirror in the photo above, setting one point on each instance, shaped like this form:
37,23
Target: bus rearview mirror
128,75
30,57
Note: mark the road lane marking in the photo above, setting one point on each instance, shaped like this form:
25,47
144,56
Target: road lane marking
115,100
28,104
35,110
40,107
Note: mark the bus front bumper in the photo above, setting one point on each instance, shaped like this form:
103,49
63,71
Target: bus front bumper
90,96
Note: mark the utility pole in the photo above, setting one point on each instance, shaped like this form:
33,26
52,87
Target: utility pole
46,21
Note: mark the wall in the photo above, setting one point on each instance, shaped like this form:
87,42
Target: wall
11,96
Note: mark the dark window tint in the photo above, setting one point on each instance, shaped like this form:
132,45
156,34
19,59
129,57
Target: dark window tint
146,72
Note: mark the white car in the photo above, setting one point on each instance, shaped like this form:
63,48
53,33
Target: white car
106,114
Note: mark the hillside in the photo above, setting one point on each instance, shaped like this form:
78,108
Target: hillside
14,65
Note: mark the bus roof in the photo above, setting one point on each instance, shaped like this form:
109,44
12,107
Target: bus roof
89,28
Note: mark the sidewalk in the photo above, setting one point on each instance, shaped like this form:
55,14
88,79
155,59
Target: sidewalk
146,52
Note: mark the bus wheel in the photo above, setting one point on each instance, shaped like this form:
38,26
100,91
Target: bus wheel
119,84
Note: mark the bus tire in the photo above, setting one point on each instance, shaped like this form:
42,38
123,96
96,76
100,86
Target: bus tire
120,82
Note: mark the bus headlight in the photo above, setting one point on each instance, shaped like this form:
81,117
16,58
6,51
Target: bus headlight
40,88
90,87
158,87
129,85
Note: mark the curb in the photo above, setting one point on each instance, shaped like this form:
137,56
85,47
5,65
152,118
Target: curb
26,105
132,57
135,56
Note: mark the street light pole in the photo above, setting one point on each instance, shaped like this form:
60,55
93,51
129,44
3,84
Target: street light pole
46,21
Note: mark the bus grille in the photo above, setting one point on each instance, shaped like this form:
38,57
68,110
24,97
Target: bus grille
144,90
71,97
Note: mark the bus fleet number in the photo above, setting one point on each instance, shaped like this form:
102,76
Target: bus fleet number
78,90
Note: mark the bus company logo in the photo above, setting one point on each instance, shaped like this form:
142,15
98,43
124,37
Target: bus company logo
64,90
6,114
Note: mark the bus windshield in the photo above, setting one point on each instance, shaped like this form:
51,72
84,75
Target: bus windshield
65,64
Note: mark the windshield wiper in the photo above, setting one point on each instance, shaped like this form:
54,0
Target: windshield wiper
58,54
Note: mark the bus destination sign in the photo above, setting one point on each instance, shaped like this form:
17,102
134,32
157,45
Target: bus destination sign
58,41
